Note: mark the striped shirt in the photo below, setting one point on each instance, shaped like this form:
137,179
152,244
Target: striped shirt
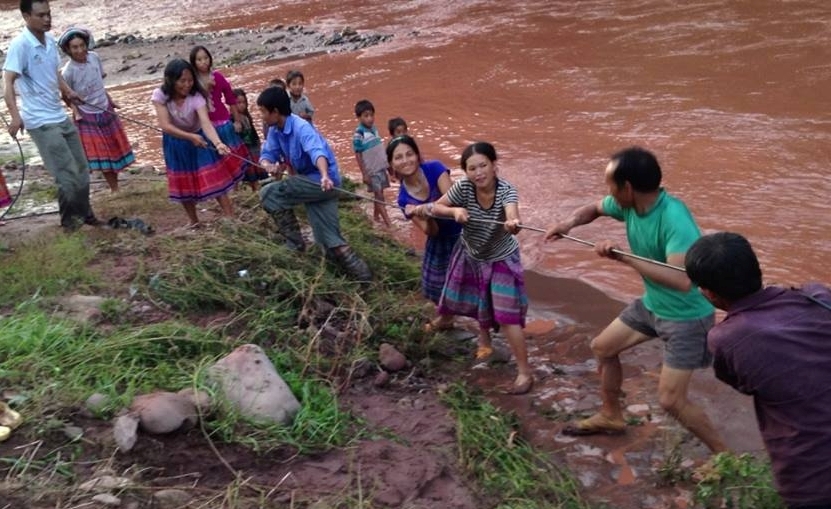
485,241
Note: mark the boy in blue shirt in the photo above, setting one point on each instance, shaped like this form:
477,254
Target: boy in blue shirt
371,157
295,147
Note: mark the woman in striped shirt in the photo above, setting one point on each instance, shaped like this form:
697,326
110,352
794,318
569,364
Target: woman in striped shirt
485,277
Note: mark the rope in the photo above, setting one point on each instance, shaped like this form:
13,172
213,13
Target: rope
591,244
384,203
22,171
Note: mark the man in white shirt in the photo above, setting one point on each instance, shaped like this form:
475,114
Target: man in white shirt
32,67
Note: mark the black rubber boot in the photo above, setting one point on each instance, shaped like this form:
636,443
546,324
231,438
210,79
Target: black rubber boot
289,228
352,264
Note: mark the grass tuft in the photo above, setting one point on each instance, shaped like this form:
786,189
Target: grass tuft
46,266
506,467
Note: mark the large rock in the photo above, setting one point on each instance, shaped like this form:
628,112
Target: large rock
250,383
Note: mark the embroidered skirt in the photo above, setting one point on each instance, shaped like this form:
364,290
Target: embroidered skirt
487,291
5,196
195,173
229,137
105,144
437,253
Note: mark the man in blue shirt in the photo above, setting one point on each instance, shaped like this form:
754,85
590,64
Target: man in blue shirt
775,345
31,68
658,227
295,147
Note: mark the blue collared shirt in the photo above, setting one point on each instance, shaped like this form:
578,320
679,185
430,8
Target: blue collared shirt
37,66
300,145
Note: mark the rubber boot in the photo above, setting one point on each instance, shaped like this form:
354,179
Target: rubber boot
289,228
352,264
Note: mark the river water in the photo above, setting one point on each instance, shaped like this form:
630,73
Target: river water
733,97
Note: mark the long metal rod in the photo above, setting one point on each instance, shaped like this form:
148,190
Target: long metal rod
592,244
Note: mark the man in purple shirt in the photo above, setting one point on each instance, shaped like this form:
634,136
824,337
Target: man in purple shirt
775,345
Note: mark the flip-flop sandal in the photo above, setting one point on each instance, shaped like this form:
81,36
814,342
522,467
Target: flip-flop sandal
436,326
594,425
484,353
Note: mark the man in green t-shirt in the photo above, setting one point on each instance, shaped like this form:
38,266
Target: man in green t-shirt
661,228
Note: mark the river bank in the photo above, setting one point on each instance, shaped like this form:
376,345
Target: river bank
566,312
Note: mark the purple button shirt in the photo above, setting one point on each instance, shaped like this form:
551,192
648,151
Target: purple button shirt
775,345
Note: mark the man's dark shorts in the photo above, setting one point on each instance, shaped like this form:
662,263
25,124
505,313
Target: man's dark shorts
685,341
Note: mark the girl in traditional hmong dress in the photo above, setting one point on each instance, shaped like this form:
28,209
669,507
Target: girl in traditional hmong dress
197,161
102,134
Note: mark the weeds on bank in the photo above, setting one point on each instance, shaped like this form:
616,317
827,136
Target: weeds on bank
312,322
55,363
671,471
737,482
46,266
505,466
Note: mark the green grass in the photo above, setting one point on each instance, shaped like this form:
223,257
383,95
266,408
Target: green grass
738,482
46,266
507,468
311,321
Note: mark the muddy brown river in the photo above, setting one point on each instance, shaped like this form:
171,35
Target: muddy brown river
733,97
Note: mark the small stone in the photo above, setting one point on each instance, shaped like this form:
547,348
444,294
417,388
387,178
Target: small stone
73,432
381,379
105,483
164,412
171,498
639,409
390,358
107,499
96,402
125,431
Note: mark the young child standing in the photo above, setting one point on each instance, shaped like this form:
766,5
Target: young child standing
371,157
397,127
251,138
218,90
485,279
102,134
300,104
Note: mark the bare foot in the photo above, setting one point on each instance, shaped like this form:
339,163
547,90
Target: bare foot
522,385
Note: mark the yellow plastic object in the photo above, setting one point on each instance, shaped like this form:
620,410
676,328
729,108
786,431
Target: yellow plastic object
8,417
